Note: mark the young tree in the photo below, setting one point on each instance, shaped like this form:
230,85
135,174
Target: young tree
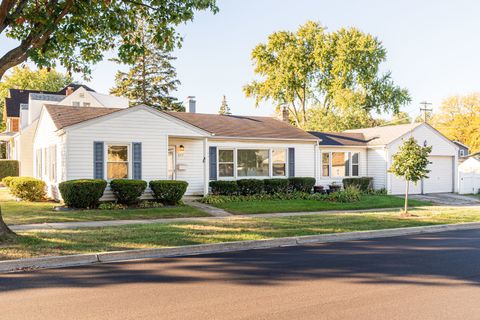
6,233
410,163
224,108
151,77
76,33
26,78
332,71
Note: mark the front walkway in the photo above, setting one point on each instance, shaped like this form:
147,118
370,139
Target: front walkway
114,223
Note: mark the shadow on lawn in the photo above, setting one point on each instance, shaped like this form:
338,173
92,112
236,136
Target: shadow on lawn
430,260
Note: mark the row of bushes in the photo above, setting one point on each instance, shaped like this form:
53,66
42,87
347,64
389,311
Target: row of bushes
363,184
247,187
86,193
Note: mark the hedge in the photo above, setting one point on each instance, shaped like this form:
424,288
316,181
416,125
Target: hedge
223,187
9,168
6,181
168,191
27,188
278,185
250,186
363,184
83,193
301,184
128,191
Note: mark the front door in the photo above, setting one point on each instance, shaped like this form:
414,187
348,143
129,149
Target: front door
171,163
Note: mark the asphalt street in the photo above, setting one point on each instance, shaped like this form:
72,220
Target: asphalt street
433,276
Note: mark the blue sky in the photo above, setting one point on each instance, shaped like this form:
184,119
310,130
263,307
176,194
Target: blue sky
433,46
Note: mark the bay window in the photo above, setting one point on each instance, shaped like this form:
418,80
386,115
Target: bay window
340,164
279,162
253,163
117,162
225,163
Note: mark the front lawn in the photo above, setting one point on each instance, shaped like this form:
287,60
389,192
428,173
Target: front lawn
61,242
269,206
25,212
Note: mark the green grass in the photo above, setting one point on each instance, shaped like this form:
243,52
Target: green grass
60,242
25,212
269,206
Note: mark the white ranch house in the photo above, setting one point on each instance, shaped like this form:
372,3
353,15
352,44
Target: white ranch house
84,134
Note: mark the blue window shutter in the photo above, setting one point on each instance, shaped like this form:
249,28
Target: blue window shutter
291,162
137,160
98,160
213,163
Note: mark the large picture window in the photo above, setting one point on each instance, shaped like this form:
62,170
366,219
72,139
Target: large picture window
279,162
226,163
253,163
117,162
340,164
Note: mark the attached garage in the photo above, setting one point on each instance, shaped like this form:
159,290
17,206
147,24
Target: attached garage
440,176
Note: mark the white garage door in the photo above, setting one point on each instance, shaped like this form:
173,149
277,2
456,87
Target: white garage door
440,176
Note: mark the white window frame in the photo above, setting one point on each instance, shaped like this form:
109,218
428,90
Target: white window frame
235,163
348,157
129,154
462,152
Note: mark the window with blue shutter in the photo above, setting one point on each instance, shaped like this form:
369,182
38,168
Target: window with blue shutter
98,160
291,162
213,163
137,160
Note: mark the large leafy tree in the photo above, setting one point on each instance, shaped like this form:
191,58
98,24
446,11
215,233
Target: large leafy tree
410,163
459,119
27,78
334,72
76,33
151,78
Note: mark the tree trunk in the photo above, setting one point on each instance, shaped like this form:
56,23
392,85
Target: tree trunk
407,184
5,232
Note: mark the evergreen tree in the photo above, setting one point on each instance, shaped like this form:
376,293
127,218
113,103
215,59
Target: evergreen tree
151,77
224,108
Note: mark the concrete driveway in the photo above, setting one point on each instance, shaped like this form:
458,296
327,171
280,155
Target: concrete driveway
448,199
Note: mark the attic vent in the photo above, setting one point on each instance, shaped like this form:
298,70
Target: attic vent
81,95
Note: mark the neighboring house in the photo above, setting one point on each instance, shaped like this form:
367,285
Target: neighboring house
144,143
469,175
368,153
463,150
23,108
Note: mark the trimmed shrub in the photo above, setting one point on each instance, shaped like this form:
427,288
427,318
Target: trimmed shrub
111,206
128,191
168,191
27,188
362,183
278,185
9,168
6,181
350,194
301,184
83,193
250,186
223,187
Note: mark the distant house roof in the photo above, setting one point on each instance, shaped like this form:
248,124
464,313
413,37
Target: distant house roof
110,101
19,96
340,138
64,116
243,126
458,143
378,136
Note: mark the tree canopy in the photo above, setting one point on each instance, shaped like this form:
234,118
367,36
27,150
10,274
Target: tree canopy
459,119
151,78
333,72
224,108
77,33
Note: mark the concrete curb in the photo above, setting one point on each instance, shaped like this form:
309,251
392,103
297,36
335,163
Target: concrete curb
117,256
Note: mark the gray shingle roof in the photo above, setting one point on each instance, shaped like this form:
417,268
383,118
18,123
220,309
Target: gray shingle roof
340,138
64,116
378,136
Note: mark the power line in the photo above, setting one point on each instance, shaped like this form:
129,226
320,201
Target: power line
425,109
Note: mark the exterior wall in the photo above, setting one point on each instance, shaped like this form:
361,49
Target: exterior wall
26,150
377,166
137,125
441,147
362,161
189,163
82,96
46,137
469,176
304,152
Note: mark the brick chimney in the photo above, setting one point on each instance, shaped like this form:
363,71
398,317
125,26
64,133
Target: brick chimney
69,91
285,114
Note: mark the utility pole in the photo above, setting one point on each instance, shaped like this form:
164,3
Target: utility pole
425,109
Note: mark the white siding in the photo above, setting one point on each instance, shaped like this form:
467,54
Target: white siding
377,166
362,161
26,150
189,164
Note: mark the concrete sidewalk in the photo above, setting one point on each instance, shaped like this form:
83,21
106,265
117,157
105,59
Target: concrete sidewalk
114,223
